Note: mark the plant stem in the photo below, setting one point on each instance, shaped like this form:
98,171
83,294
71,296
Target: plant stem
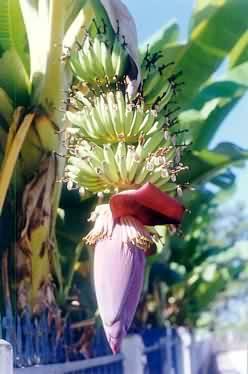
52,93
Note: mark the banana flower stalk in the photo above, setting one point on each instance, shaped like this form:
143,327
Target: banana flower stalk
122,241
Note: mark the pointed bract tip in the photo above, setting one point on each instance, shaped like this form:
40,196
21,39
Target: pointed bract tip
115,334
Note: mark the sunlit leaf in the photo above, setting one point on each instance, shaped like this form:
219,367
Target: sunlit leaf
12,30
206,164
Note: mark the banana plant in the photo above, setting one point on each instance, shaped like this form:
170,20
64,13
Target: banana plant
34,83
122,134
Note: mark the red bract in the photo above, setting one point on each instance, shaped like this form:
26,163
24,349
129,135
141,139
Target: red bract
148,204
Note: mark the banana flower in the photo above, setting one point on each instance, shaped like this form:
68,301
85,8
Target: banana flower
122,242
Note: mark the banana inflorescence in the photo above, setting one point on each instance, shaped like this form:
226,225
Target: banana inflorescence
119,142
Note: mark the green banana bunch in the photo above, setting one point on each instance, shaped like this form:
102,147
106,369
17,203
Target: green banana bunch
97,62
111,117
115,167
108,54
160,82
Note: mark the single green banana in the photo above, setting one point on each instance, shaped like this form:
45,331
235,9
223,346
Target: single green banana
148,122
157,126
98,121
110,117
104,114
110,160
96,64
116,53
108,174
78,69
96,153
120,157
152,144
129,113
85,64
106,60
112,105
138,118
119,57
82,166
97,50
137,163
121,110
141,176
115,115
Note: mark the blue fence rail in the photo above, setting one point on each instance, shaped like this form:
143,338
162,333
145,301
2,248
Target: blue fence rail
36,343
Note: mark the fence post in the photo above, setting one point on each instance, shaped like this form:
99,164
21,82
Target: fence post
6,358
168,367
186,350
178,353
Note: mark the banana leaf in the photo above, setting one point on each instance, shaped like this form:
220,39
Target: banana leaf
206,47
12,30
206,164
213,103
166,36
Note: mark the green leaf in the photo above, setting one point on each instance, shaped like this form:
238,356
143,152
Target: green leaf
225,180
50,94
204,132
71,227
13,78
167,35
161,272
72,9
196,201
208,47
205,164
6,106
239,54
12,30
207,292
208,254
213,103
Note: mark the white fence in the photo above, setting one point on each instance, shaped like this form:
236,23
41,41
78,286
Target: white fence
171,355
6,358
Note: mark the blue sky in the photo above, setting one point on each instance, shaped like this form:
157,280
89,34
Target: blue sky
149,17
